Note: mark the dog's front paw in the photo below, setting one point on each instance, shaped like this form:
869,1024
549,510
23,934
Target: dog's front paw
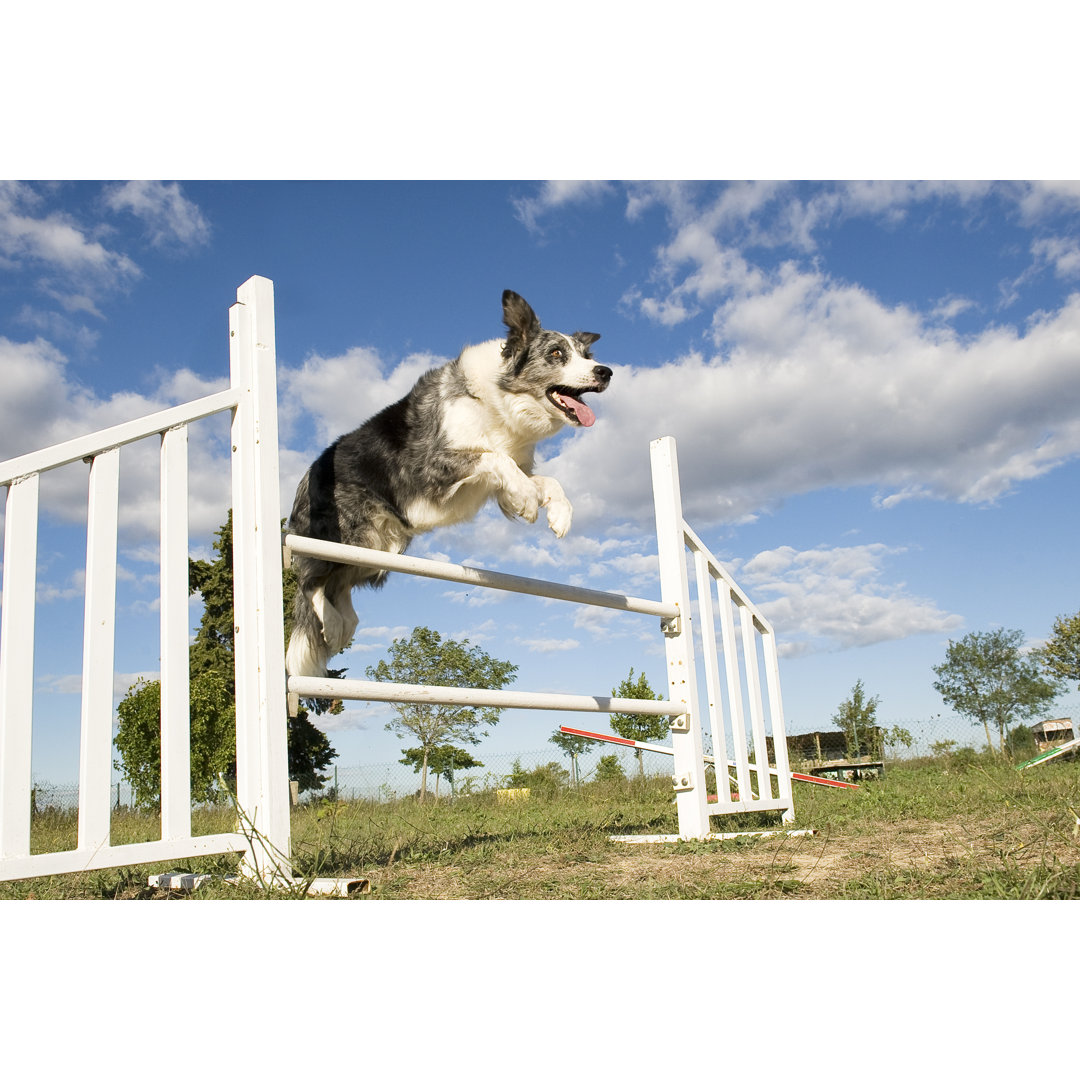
559,515
522,502
559,511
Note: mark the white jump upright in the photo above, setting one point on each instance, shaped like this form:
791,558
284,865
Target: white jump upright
262,763
730,698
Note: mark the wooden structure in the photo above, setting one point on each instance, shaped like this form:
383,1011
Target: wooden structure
825,754
1049,734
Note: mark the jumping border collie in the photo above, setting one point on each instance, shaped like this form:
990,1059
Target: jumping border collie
466,432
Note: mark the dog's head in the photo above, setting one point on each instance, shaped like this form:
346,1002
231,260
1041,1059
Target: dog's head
556,368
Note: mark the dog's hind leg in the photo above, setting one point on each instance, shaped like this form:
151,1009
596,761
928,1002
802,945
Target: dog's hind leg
333,625
347,619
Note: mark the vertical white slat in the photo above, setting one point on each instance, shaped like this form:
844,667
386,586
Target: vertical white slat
712,676
690,793
734,688
779,729
757,715
258,292
17,664
261,733
248,763
99,632
175,678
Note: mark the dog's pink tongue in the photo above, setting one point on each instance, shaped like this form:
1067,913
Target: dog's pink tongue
585,416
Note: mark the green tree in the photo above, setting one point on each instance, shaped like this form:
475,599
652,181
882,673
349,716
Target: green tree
426,658
1060,656
986,678
213,697
573,746
639,727
608,768
857,719
443,761
1020,742
213,737
899,736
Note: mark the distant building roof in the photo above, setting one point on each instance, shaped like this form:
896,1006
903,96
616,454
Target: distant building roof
1063,723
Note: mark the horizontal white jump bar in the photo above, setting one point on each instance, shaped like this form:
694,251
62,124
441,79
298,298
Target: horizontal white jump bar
359,690
470,575
109,438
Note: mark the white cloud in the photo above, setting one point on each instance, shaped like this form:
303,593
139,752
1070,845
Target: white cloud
77,267
770,214
72,684
951,306
834,598
338,393
548,645
823,385
1062,253
169,216
376,638
554,194
1037,198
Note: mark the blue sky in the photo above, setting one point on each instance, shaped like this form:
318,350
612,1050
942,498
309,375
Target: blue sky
875,389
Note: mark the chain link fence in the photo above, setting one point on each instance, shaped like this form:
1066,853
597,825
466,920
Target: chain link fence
393,780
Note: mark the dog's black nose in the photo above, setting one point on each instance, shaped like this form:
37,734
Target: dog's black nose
602,374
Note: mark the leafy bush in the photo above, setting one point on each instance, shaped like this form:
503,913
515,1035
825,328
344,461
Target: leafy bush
546,779
609,769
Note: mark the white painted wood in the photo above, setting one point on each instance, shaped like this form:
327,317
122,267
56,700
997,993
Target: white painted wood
17,665
734,686
100,858
471,575
99,632
175,689
477,697
695,543
88,445
779,730
691,796
757,715
712,674
261,747
258,293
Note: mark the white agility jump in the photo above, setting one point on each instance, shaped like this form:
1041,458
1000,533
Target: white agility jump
737,712
261,754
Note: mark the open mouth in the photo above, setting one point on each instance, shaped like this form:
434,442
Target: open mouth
569,402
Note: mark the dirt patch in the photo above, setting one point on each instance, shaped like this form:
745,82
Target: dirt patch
932,859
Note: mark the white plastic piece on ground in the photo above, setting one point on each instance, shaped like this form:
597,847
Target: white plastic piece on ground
317,887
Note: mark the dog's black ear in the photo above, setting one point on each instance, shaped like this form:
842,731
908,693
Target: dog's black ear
585,338
520,320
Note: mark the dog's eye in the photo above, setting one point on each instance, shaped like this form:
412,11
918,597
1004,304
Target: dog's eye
556,353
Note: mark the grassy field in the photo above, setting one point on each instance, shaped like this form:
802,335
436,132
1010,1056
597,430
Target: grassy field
927,829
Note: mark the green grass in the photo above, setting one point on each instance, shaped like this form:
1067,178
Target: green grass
925,830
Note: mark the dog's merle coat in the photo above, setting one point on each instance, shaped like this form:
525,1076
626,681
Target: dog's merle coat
466,432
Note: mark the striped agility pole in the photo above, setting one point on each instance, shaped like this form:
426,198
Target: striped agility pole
708,758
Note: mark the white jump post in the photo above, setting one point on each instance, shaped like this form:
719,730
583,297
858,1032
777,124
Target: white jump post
262,764
262,760
691,796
